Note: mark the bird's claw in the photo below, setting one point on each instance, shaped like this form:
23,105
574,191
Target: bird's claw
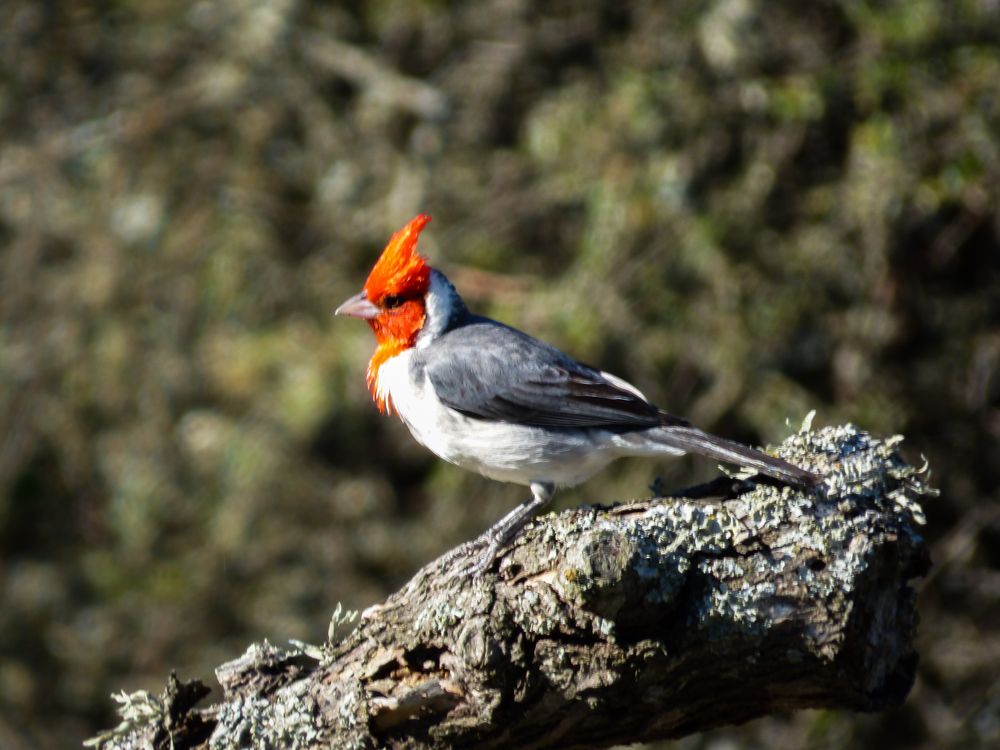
476,555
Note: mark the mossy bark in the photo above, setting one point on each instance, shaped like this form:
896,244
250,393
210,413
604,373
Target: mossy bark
603,626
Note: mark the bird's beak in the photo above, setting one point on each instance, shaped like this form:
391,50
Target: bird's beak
358,306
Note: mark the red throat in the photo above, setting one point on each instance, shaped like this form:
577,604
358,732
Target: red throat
400,277
395,331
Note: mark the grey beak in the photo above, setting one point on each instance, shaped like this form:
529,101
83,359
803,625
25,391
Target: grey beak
358,306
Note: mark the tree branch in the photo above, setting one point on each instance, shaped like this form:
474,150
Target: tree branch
603,626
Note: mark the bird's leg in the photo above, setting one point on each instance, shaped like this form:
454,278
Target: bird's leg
504,530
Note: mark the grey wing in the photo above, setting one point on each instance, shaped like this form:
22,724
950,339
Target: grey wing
490,371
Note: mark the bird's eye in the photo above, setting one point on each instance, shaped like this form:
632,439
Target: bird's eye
392,301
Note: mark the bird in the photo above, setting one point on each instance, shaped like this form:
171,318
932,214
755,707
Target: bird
494,400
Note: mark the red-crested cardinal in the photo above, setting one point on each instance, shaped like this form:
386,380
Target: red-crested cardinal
492,399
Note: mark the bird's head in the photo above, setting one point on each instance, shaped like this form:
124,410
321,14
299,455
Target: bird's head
393,300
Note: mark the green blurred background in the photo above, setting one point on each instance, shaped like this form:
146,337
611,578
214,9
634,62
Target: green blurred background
749,209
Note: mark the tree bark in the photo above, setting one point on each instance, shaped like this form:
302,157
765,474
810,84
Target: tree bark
602,626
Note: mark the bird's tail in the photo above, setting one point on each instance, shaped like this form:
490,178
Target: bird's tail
692,440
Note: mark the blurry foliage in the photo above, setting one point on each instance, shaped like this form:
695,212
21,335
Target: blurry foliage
748,209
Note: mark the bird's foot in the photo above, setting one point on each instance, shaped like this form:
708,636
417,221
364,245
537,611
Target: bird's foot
656,486
482,552
475,556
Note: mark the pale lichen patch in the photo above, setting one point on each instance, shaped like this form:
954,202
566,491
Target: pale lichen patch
685,548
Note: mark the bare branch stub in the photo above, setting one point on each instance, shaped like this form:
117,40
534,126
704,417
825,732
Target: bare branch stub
603,626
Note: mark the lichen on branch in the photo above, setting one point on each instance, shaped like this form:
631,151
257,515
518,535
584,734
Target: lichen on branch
610,625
